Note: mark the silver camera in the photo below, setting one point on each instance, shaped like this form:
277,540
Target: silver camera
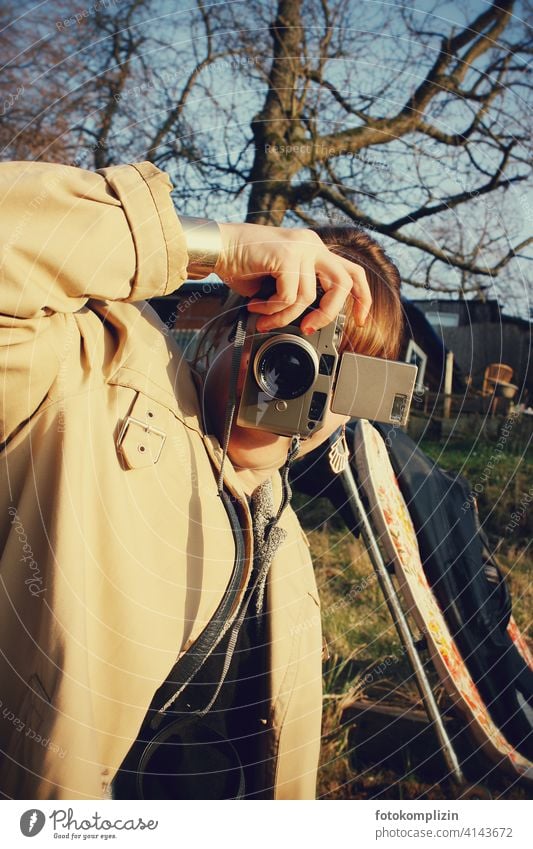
292,381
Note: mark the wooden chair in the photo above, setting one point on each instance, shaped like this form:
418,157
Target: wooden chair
498,376
496,373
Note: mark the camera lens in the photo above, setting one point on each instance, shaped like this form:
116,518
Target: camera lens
285,366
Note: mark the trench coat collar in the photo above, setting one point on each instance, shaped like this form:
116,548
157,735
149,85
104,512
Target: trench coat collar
149,360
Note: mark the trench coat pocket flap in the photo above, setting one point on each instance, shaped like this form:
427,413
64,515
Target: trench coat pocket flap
143,433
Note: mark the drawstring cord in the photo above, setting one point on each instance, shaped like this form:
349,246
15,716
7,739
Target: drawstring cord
292,453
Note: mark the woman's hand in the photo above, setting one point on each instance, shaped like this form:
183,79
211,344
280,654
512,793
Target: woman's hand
295,258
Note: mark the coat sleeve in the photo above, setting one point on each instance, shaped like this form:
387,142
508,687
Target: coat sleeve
68,235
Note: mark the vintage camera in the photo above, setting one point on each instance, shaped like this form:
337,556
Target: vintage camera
292,380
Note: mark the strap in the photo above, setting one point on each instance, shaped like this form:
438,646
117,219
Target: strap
189,664
185,669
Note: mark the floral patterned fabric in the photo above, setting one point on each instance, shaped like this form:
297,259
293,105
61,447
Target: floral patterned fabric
397,539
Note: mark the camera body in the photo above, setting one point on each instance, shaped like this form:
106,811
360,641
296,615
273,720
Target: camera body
293,380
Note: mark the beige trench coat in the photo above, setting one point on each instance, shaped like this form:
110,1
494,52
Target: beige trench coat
114,557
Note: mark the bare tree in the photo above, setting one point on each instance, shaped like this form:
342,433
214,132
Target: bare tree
465,85
389,117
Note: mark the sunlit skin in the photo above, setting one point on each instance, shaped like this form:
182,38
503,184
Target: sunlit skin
295,258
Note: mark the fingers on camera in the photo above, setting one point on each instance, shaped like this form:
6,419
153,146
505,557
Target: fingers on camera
295,291
360,291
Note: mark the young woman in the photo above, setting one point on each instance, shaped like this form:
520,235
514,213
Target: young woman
256,454
116,547
246,716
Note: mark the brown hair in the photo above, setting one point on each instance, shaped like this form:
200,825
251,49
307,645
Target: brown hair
381,334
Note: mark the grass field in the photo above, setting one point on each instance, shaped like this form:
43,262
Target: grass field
365,653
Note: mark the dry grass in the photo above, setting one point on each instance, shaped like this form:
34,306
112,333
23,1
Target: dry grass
365,655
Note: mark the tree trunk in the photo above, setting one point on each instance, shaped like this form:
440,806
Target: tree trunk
277,129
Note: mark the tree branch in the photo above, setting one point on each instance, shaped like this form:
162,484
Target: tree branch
382,130
455,200
354,213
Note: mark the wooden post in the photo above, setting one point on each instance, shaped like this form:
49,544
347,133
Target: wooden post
448,379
